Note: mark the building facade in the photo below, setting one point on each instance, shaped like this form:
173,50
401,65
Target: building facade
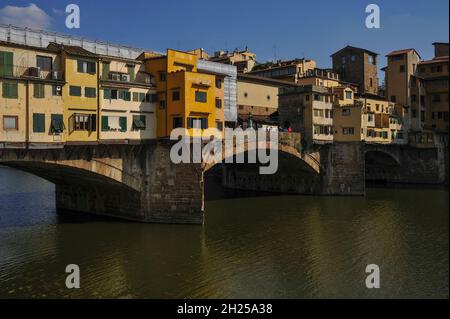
308,110
359,66
31,102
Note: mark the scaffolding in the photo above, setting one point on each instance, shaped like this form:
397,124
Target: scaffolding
41,38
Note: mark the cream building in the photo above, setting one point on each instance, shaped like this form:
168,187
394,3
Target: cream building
127,101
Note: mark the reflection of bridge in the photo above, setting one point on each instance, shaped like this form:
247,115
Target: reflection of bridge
139,182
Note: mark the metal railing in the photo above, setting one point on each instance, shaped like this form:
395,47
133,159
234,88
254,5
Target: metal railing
19,71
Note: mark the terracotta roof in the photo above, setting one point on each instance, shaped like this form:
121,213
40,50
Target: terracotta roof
254,78
435,60
72,50
404,51
28,47
354,48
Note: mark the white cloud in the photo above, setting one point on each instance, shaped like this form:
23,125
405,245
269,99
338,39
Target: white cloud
31,16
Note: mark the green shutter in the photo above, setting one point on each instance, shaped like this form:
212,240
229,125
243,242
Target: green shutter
141,97
143,120
5,90
6,63
80,66
10,90
105,72
105,126
38,123
123,124
75,90
107,94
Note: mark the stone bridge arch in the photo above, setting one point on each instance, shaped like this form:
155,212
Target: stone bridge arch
289,146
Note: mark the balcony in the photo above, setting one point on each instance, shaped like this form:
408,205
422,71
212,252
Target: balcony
141,78
18,71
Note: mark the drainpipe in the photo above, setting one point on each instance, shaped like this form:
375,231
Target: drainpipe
98,102
27,114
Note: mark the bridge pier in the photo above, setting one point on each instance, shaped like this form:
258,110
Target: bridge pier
134,182
341,172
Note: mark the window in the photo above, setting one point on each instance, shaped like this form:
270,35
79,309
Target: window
90,92
268,97
307,97
44,63
176,95
39,90
10,123
414,113
56,90
200,96
10,90
439,68
318,113
317,97
162,76
84,122
353,58
219,83
343,60
436,98
393,98
57,124
139,122
402,68
177,122
198,123
114,124
348,95
6,63
141,97
86,67
371,82
135,97
346,112
413,98
38,123
124,95
162,104
218,103
219,125
348,131
75,90
246,94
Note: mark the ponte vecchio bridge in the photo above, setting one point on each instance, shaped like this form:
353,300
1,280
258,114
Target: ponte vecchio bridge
140,182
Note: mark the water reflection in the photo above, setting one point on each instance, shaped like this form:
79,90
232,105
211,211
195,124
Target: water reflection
254,247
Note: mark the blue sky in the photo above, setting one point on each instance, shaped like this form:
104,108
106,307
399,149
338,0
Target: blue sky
272,29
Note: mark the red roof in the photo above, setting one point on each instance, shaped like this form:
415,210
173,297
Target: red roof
404,51
436,60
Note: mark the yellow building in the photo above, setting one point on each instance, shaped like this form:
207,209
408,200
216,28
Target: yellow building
80,95
376,125
127,101
31,84
186,97
348,116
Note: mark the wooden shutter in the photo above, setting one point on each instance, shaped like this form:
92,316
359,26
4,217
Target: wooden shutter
105,126
123,124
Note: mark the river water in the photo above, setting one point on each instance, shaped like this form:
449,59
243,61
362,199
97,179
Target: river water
249,247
